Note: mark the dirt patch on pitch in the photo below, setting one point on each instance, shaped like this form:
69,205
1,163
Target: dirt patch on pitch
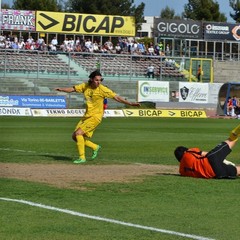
75,176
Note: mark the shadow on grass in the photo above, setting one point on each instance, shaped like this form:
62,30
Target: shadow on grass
57,157
169,174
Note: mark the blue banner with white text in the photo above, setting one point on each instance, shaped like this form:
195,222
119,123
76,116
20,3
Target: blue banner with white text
33,101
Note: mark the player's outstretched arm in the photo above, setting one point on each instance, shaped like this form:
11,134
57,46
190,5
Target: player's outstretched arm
67,90
122,100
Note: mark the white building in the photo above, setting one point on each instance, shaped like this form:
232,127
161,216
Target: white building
147,28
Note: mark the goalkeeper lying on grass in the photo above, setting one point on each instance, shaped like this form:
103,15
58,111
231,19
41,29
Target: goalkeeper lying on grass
213,164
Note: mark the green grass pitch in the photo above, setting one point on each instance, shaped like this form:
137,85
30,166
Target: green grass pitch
198,207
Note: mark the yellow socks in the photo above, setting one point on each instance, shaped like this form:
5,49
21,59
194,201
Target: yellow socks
90,144
235,133
81,146
81,143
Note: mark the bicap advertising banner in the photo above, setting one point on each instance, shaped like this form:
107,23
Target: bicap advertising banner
90,24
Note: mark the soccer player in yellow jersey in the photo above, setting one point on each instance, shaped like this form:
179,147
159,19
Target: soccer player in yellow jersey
94,93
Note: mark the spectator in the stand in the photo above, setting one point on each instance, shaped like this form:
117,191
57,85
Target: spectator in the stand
235,101
141,48
151,50
54,41
103,49
161,46
90,48
118,49
15,39
44,47
7,43
229,106
182,64
167,50
37,46
65,42
95,47
30,40
78,41
109,45
129,46
10,38
169,62
78,48
69,47
123,45
199,73
88,45
156,50
40,41
52,48
84,48
72,43
62,47
134,48
2,38
150,71
2,44
14,45
81,45
235,105
33,46
27,46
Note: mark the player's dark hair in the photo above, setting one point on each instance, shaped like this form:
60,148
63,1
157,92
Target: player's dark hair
93,75
179,151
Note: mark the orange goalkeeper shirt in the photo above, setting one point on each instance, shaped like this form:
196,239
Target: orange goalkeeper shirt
193,164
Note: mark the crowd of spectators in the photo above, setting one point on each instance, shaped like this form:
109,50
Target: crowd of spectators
123,45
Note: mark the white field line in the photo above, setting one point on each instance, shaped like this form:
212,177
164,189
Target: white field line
16,150
106,219
26,151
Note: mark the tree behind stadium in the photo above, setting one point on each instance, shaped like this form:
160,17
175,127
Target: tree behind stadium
43,5
207,10
108,7
235,5
169,13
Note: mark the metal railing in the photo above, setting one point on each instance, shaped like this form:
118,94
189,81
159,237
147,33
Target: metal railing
72,65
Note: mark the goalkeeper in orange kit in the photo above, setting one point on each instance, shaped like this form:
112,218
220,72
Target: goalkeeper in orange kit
194,162
94,93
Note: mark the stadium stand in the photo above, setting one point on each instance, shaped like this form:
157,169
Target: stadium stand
31,62
115,65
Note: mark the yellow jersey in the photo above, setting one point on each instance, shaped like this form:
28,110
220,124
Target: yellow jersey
94,98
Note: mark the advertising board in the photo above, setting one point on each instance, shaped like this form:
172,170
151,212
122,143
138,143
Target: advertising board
20,20
91,24
33,101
